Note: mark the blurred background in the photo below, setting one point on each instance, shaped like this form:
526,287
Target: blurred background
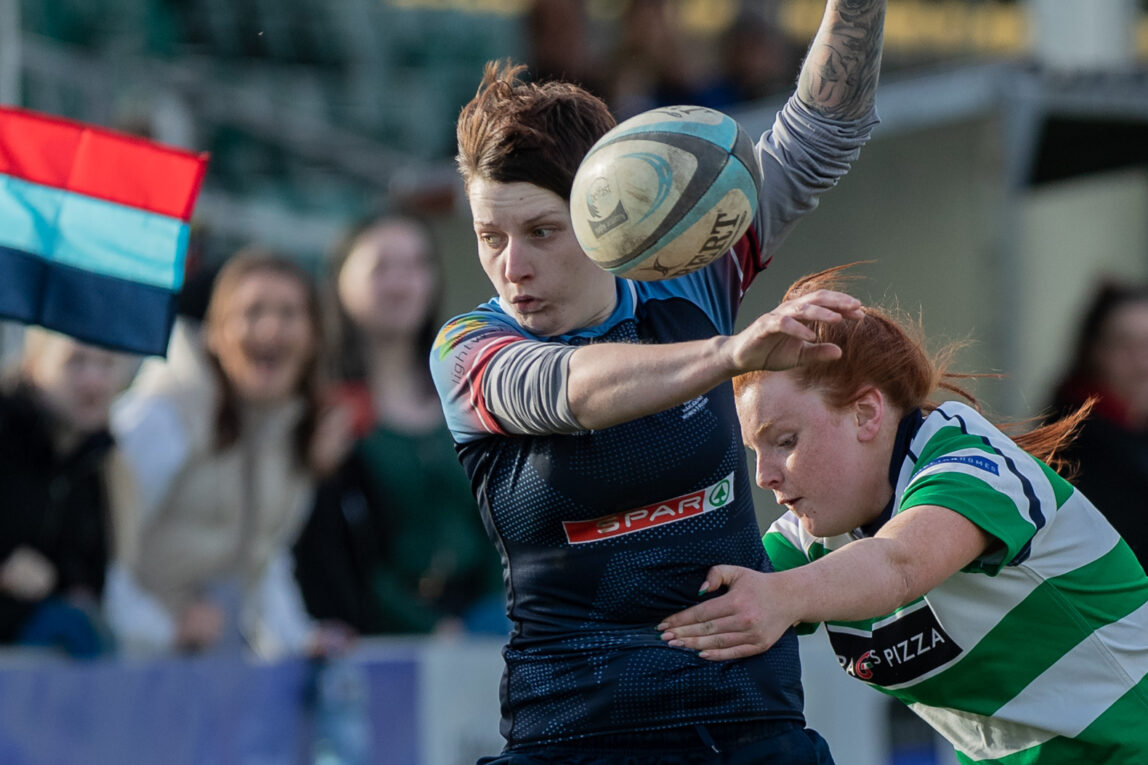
1008,178
1008,173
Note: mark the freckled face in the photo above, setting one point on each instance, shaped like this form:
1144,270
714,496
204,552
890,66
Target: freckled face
810,456
527,248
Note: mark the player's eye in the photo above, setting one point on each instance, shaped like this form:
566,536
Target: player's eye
787,441
494,241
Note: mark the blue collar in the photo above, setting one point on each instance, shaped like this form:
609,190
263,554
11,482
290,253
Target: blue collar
906,431
625,303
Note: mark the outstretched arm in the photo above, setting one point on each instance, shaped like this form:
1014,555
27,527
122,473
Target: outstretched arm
914,552
818,134
492,379
612,383
839,77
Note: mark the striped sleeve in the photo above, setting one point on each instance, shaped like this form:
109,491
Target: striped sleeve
459,362
783,543
784,549
989,480
802,156
525,388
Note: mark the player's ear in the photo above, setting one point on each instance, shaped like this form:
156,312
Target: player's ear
868,410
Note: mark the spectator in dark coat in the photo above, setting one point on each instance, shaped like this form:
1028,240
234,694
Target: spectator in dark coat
56,461
1110,364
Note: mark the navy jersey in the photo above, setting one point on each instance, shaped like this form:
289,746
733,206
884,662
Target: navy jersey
605,533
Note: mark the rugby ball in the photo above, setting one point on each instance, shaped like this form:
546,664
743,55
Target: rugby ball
665,192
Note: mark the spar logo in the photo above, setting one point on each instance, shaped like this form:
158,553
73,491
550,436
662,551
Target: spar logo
689,505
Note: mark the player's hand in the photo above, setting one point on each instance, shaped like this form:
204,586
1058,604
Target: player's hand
27,575
746,620
782,339
200,625
332,440
331,638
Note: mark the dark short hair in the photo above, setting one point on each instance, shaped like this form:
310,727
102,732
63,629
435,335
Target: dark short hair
534,132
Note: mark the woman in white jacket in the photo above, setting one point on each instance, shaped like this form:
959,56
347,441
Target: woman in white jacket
225,439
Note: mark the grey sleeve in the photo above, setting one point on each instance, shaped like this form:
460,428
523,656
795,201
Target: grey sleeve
525,388
802,156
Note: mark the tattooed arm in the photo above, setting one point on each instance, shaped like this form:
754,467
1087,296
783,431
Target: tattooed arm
839,76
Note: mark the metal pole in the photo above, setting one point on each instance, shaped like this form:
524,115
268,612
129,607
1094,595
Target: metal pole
9,94
10,53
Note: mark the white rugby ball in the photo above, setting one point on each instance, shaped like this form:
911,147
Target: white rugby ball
665,192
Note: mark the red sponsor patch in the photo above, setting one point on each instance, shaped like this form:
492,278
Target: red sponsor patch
629,521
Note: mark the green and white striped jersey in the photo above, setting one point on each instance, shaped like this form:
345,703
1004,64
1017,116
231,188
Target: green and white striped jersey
1035,653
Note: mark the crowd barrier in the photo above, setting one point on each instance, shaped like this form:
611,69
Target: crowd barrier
389,702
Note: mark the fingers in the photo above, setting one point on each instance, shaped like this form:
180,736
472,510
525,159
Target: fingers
822,305
725,654
819,306
690,618
783,338
715,632
792,316
812,352
718,639
726,627
718,577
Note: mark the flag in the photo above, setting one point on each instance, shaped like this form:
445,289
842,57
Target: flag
93,230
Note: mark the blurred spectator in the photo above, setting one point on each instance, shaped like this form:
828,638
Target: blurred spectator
558,44
225,439
399,518
757,60
1110,362
57,467
649,65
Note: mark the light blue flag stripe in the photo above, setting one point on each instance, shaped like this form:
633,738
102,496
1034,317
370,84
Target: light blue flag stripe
91,234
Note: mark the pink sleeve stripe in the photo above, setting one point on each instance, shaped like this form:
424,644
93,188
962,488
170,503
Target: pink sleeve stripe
474,383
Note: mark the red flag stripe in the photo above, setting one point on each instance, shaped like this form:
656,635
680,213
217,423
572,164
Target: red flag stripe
100,163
